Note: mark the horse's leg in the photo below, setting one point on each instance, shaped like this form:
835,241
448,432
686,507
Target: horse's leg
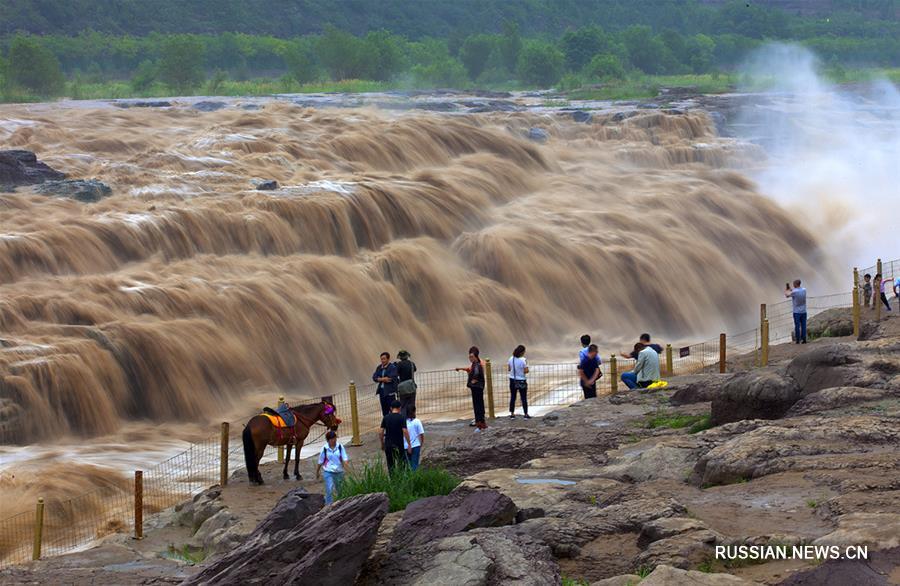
287,459
260,451
297,460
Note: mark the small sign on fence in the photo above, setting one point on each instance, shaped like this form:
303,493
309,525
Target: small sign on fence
686,351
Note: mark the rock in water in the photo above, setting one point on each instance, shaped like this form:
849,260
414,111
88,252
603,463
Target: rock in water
463,509
538,135
327,548
18,167
209,106
86,190
582,116
270,185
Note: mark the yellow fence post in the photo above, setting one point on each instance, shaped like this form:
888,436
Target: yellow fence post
354,416
613,374
223,455
280,448
38,529
856,303
489,379
670,367
876,297
722,353
762,320
765,343
138,504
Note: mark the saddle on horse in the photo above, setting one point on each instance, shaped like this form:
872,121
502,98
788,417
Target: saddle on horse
284,421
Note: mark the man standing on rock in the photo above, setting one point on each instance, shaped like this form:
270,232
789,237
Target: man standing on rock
798,298
589,372
393,432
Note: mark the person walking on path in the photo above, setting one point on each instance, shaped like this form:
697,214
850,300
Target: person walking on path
589,372
386,376
416,438
475,381
646,369
331,462
394,435
798,299
518,382
406,376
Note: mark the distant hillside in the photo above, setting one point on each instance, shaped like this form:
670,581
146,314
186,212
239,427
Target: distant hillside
411,18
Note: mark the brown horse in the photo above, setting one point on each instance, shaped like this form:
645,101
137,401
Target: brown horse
259,432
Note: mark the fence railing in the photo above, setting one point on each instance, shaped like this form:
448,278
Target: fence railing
59,527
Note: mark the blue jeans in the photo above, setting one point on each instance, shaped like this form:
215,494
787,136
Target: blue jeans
332,485
630,379
800,327
414,457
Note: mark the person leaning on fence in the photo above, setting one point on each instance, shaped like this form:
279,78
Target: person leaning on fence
394,435
416,438
646,369
589,372
798,299
406,375
386,376
475,381
331,461
518,381
882,286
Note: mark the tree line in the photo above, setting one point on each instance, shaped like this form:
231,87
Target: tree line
508,57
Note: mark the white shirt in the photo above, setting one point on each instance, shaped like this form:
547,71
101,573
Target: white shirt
517,367
333,460
415,429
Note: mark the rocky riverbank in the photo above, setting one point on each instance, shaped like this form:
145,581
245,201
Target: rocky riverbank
632,487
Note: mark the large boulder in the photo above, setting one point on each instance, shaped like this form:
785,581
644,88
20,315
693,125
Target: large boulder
754,395
478,558
698,388
195,512
831,323
826,366
463,509
669,576
86,190
537,135
842,399
328,548
19,167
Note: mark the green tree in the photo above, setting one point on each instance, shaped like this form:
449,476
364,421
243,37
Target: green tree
474,53
384,55
604,67
646,51
181,62
444,73
510,45
581,45
34,67
700,50
301,62
540,63
144,75
342,54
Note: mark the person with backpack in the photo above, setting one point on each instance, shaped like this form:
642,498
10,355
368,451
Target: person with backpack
394,436
518,382
416,438
331,462
406,386
386,376
475,381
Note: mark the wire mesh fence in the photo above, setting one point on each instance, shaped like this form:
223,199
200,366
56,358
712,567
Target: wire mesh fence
75,523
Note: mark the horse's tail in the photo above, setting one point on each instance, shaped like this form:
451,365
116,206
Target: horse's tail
250,454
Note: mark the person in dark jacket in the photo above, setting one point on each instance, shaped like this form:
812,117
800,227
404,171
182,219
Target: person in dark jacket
386,376
406,386
476,381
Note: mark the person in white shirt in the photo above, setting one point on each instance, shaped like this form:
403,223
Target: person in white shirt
416,437
518,383
331,461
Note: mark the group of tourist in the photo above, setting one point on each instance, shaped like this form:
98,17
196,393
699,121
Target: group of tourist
868,296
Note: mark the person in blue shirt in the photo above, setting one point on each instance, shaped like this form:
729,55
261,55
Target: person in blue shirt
387,378
585,342
589,372
331,462
798,299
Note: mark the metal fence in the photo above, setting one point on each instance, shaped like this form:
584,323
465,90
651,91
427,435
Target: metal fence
73,524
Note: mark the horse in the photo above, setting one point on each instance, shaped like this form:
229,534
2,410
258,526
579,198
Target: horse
260,432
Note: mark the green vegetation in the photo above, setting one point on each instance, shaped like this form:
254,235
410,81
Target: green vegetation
696,423
604,49
574,582
644,571
186,554
404,487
